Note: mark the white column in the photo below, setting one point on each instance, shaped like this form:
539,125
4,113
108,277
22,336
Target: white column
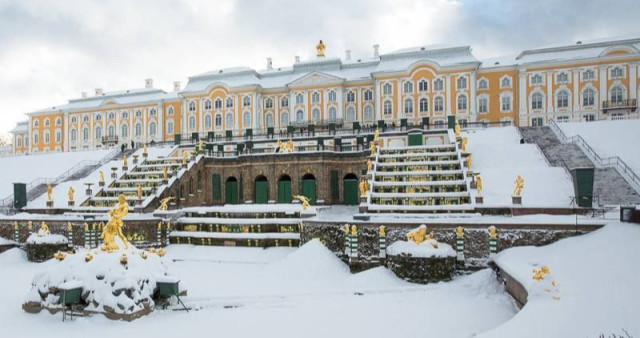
576,92
339,94
550,98
472,94
603,84
160,122
523,108
399,111
633,81
65,132
200,105
145,125
377,112
447,92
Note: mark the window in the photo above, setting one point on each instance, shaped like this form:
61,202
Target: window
387,110
483,104
332,96
332,114
368,95
423,86
124,130
461,82
46,122
85,118
315,114
438,84
192,106
268,103
229,121
588,75
284,119
368,113
536,79
269,120
138,114
218,104
36,138
589,118
113,116
351,114
617,72
229,102
99,117
408,106
170,127
98,132
85,134
36,123
284,102
218,120
58,136
536,101
73,120
152,112
207,105
482,84
46,137
19,141
408,87
299,116
505,103
588,97
562,99
246,102
438,104
207,122
351,97
562,77
315,97
506,82
192,122
387,89
462,102
246,119
170,111
299,99
424,105
138,129
562,118
537,121
617,94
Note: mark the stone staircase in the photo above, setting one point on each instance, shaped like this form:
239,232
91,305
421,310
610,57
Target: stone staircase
609,187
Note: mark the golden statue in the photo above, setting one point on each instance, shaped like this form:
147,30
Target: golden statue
419,235
165,173
469,162
376,135
459,231
354,230
364,187
124,160
113,228
279,146
372,147
493,232
479,187
457,129
164,203
518,186
369,165
320,48
463,144
139,191
44,229
346,228
184,157
144,150
49,193
70,194
290,146
201,146
304,200
382,231
101,177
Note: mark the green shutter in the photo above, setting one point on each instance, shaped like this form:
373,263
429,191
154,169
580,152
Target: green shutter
415,139
261,192
217,189
335,189
231,192
309,190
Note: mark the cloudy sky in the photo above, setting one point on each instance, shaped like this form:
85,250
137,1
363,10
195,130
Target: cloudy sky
52,50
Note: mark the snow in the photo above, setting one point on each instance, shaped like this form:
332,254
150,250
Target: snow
610,138
38,238
4,241
598,285
499,157
235,235
425,249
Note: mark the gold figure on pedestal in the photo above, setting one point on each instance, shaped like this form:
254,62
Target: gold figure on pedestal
304,200
139,191
369,165
144,150
463,144
164,203
469,162
201,146
184,157
372,147
419,235
479,186
290,146
124,160
382,231
493,232
44,229
457,129
459,231
279,146
518,186
376,135
165,173
320,48
101,180
364,188
70,194
49,193
113,228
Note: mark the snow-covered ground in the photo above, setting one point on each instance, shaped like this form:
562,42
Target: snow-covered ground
610,138
499,157
26,168
599,279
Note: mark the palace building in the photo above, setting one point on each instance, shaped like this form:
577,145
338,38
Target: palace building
590,80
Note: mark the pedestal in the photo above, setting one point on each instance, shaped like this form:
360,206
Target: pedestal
479,199
135,160
125,168
145,155
49,204
165,181
89,192
184,165
101,184
473,184
71,203
516,200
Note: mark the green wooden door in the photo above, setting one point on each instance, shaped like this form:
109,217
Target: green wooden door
350,191
261,191
231,192
284,190
415,139
309,189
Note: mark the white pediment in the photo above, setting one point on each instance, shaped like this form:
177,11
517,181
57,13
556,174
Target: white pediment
316,78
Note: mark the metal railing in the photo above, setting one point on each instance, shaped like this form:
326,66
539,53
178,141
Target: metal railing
629,103
614,161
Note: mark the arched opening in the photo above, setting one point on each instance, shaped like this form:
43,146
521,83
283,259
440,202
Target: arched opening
284,189
309,188
261,190
350,189
231,190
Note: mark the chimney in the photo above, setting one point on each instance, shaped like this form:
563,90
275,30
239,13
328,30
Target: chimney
269,64
98,91
148,83
376,51
348,55
176,86
84,95
297,59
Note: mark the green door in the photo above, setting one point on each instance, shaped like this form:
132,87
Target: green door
350,191
231,191
284,190
415,139
261,191
309,189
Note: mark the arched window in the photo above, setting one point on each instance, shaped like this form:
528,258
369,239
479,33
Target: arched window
284,102
461,82
58,136
152,112
268,103
229,122
152,128
536,101
113,116
617,94
332,114
351,96
207,104
138,114
284,119
207,122
562,99
47,122
192,122
170,111
438,84
562,77
315,114
219,120
299,99
536,79
368,113
368,95
482,84
99,117
85,133
36,123
58,121
269,120
423,86
438,104
351,114
462,102
299,116
387,89
246,101
408,87
408,106
36,138
73,120
170,127
424,105
86,118
47,138
111,130
506,82
98,132
246,119
218,104
192,106
387,109
332,96
124,130
588,97
229,102
617,72
138,129
315,97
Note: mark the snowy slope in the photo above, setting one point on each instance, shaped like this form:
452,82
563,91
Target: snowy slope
499,157
598,278
610,138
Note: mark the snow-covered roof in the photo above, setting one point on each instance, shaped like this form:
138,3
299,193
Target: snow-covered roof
579,50
21,127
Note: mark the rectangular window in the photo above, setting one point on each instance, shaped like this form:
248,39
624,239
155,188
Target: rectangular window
482,105
536,122
506,103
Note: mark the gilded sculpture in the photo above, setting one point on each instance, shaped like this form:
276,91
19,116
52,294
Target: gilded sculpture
369,165
101,177
463,144
382,231
70,194
364,188
201,146
372,148
49,193
419,235
139,191
376,135
44,229
165,173
279,146
290,146
469,162
124,160
304,200
493,232
113,228
320,48
459,231
184,157
479,186
518,186
164,203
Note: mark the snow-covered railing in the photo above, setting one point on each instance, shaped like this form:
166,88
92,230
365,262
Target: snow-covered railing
614,161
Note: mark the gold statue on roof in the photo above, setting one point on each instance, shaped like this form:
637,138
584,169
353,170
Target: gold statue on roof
113,228
320,48
518,186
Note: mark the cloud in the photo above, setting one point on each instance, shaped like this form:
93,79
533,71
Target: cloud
53,50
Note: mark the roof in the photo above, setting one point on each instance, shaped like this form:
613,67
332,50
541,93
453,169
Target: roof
577,51
21,127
